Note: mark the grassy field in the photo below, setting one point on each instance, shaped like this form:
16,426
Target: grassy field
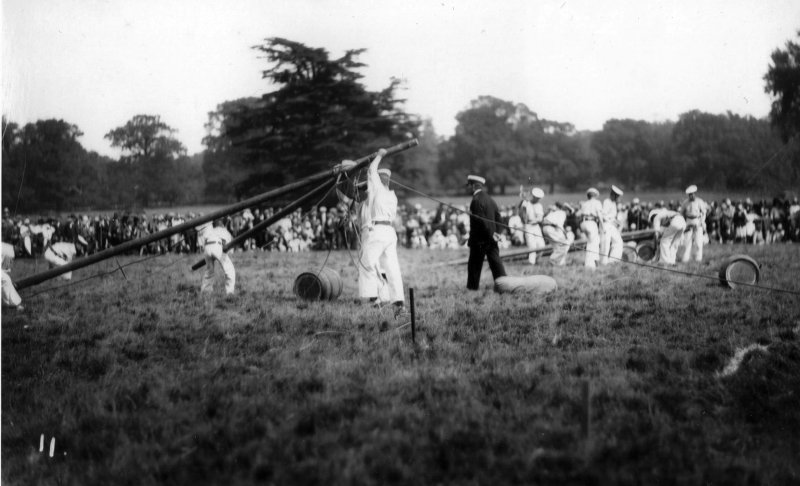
141,380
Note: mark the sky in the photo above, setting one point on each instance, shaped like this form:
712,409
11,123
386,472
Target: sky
98,63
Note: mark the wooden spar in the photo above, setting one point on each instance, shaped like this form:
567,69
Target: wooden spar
271,220
235,208
638,235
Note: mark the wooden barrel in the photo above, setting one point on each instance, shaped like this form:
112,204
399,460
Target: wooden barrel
323,285
646,251
737,270
629,254
335,288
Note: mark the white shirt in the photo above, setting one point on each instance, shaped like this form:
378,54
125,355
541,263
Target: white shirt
591,208
534,212
556,217
661,216
382,202
609,211
694,209
217,234
8,256
64,250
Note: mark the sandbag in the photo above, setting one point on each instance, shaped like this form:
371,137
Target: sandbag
532,284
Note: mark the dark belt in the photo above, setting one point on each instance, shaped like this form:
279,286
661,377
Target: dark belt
213,243
551,224
589,218
692,217
58,253
387,223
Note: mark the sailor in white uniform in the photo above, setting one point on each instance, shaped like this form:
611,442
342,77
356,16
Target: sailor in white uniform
590,215
694,211
60,253
379,251
213,238
532,213
669,225
611,244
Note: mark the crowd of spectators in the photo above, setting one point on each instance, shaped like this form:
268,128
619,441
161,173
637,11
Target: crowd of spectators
321,228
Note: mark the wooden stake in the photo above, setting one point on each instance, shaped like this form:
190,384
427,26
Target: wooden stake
413,319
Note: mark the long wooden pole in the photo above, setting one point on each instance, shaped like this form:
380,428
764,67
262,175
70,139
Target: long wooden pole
577,245
240,206
271,220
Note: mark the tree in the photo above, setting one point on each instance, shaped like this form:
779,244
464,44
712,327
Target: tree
721,151
320,114
420,168
225,165
783,83
149,153
45,167
508,144
630,150
145,137
485,143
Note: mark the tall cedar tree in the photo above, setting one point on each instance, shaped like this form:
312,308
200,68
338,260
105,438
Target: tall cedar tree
783,82
319,115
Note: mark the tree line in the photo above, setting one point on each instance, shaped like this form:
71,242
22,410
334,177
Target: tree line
321,113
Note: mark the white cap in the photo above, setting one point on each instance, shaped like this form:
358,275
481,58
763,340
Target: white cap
474,178
536,192
616,190
592,190
385,172
691,189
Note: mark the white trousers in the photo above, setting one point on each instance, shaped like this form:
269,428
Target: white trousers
671,240
560,241
10,296
611,244
693,240
56,261
379,252
214,253
592,253
533,240
366,288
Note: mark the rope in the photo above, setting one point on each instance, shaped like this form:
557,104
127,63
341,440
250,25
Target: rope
118,269
21,180
770,159
641,264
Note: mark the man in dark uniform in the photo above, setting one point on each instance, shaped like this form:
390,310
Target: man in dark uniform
484,223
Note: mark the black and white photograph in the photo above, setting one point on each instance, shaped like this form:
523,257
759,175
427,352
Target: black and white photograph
318,242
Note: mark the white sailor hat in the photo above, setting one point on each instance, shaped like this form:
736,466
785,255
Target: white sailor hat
567,207
474,178
691,189
616,190
385,172
592,190
536,192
